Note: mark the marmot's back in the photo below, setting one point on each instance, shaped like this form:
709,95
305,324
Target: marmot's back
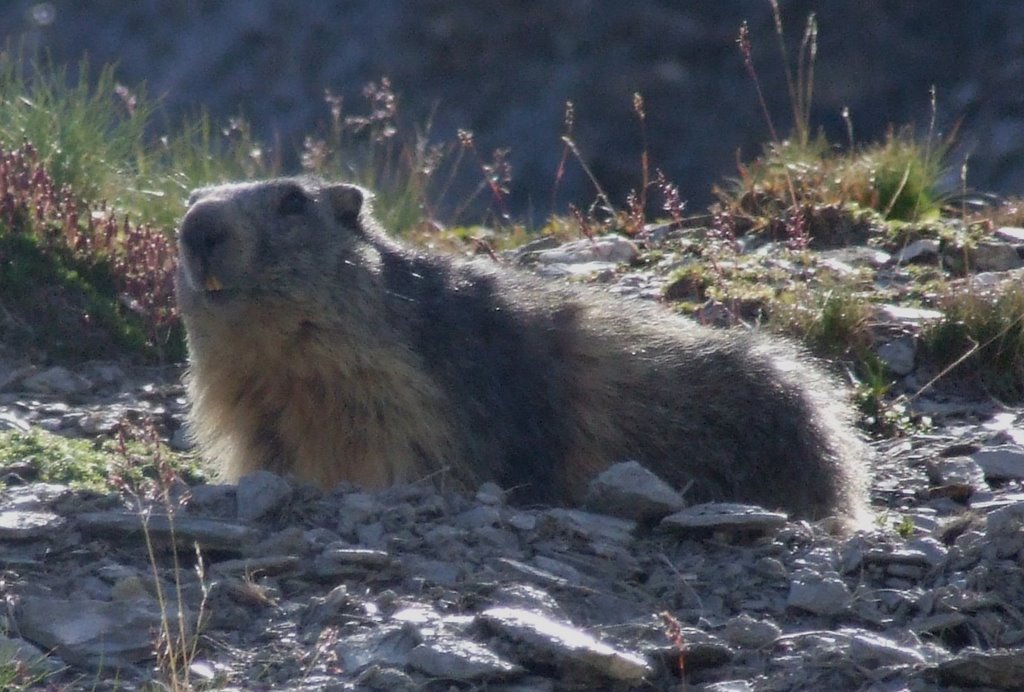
323,348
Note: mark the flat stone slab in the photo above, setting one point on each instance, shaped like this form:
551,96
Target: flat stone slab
723,516
94,633
19,525
163,529
568,647
460,659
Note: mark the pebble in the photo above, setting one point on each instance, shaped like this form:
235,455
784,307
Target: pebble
818,593
628,490
749,632
899,355
261,493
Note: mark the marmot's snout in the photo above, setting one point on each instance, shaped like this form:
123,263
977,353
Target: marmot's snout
209,248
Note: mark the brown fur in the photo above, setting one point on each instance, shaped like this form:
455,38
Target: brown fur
328,351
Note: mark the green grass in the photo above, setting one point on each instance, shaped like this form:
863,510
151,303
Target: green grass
18,676
62,307
103,465
108,142
982,336
898,178
832,320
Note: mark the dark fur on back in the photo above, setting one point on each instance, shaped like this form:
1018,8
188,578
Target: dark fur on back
338,354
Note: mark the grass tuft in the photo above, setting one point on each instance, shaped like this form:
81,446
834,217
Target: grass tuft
981,335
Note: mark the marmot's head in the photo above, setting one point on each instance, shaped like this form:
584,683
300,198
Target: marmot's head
278,243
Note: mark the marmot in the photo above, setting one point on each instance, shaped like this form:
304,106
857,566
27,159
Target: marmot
322,348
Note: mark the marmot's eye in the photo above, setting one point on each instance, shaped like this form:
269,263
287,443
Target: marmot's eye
293,202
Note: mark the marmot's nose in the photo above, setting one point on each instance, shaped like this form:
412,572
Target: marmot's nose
204,232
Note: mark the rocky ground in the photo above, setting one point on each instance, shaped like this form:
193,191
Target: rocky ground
279,586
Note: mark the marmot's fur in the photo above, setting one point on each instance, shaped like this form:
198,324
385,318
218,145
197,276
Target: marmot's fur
322,348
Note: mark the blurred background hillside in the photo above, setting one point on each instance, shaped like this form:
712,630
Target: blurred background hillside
506,69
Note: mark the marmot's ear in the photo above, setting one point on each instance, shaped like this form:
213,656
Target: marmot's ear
346,201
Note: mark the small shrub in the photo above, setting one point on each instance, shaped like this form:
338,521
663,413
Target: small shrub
66,263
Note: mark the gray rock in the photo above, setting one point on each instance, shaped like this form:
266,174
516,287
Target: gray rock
578,269
1007,520
957,472
536,575
355,509
588,525
727,686
607,248
934,624
325,610
821,594
181,440
376,679
100,422
1011,234
559,568
10,420
483,515
926,554
56,380
555,642
899,355
270,565
214,500
22,525
995,257
723,516
28,657
164,530
437,572
261,493
388,645
1001,669
922,250
871,650
901,315
859,255
107,373
459,659
91,633
1002,462
522,521
490,494
630,491
334,562
750,633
